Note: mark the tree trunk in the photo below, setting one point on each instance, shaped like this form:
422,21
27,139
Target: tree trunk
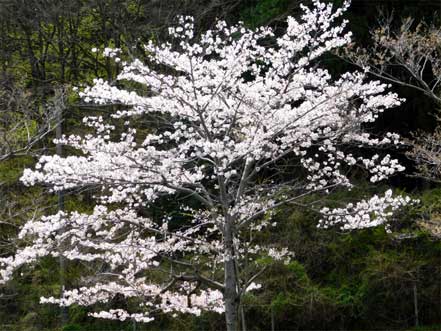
230,295
59,104
242,318
415,304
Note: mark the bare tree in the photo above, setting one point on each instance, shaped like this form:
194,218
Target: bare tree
23,122
409,56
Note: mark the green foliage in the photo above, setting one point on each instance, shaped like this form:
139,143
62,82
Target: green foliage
361,280
12,169
264,11
72,327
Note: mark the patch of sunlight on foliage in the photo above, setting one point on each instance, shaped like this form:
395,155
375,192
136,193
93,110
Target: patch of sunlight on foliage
12,169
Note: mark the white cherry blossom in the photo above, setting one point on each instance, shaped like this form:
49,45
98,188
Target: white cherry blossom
239,127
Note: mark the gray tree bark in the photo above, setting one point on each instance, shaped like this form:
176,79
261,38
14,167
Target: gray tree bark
230,295
59,108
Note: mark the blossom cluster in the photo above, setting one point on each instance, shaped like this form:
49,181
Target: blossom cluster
366,213
228,109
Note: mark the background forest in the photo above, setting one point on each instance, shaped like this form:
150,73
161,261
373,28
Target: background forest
363,280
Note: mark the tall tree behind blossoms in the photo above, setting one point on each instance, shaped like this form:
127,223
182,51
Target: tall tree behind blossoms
231,110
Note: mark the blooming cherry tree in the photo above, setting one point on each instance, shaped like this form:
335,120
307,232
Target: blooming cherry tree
228,110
